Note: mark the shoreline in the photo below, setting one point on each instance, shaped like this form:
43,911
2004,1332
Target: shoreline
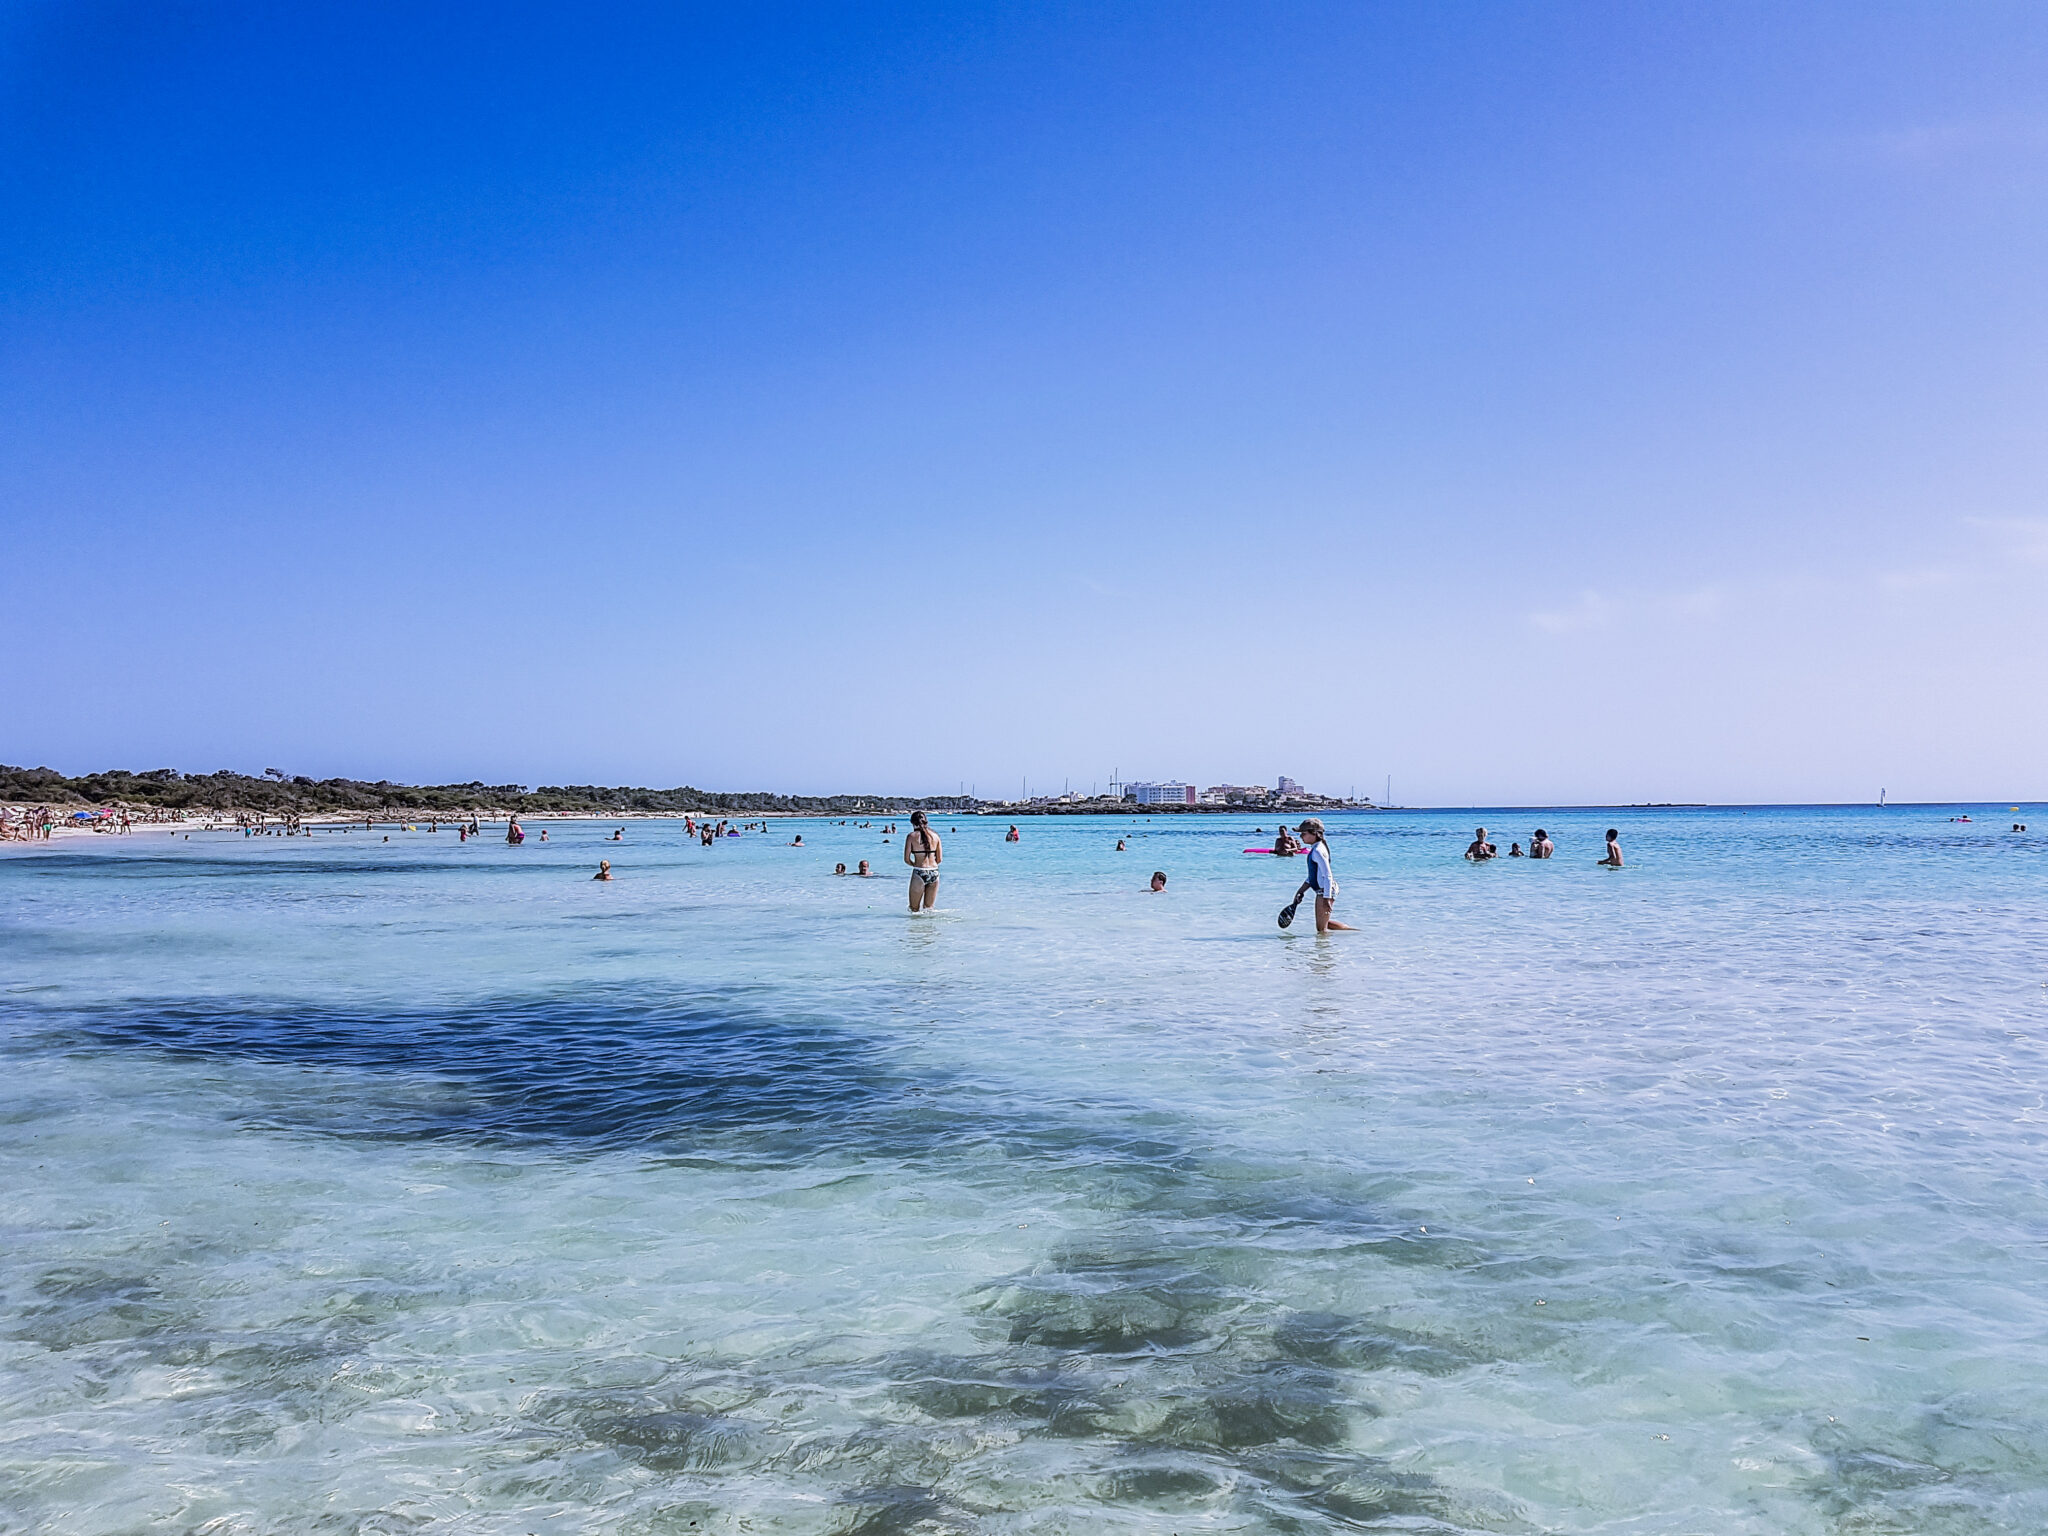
71,833
219,821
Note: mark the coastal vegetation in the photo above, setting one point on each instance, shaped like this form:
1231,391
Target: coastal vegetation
287,795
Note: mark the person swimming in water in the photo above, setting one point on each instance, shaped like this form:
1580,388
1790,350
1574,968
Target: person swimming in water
1121,849
1011,836
604,870
1613,859
797,841
1320,879
1514,850
1479,850
1158,879
864,872
838,869
513,832
923,853
1540,846
1284,842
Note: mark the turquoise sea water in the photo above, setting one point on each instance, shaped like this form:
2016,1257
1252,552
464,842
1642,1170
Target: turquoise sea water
349,1186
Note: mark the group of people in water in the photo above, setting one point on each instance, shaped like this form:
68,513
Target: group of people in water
1479,850
924,852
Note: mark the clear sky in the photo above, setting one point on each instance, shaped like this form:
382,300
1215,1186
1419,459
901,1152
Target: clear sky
1529,402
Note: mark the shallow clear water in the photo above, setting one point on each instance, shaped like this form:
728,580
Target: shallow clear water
353,1186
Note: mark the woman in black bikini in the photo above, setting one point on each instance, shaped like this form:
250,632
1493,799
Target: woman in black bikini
921,851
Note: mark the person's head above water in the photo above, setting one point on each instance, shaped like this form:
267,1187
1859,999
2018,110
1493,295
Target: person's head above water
604,870
1612,834
1541,834
864,866
838,869
1158,879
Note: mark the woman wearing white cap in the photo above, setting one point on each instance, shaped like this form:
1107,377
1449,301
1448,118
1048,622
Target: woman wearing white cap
1320,879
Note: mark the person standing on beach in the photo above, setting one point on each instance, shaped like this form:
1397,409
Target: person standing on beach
1613,859
922,852
1320,879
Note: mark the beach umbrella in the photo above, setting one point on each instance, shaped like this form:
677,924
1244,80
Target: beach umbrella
83,815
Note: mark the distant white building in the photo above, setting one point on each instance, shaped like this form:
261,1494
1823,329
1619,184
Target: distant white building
1172,792
1289,787
1226,794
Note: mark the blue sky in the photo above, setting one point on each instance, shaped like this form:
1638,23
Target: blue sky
1531,403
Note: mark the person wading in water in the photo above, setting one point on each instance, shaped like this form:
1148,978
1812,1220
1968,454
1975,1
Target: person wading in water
1320,878
921,851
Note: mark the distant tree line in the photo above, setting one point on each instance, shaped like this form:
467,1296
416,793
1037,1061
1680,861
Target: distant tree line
278,794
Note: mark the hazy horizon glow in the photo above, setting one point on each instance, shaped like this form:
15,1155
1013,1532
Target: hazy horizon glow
1576,404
